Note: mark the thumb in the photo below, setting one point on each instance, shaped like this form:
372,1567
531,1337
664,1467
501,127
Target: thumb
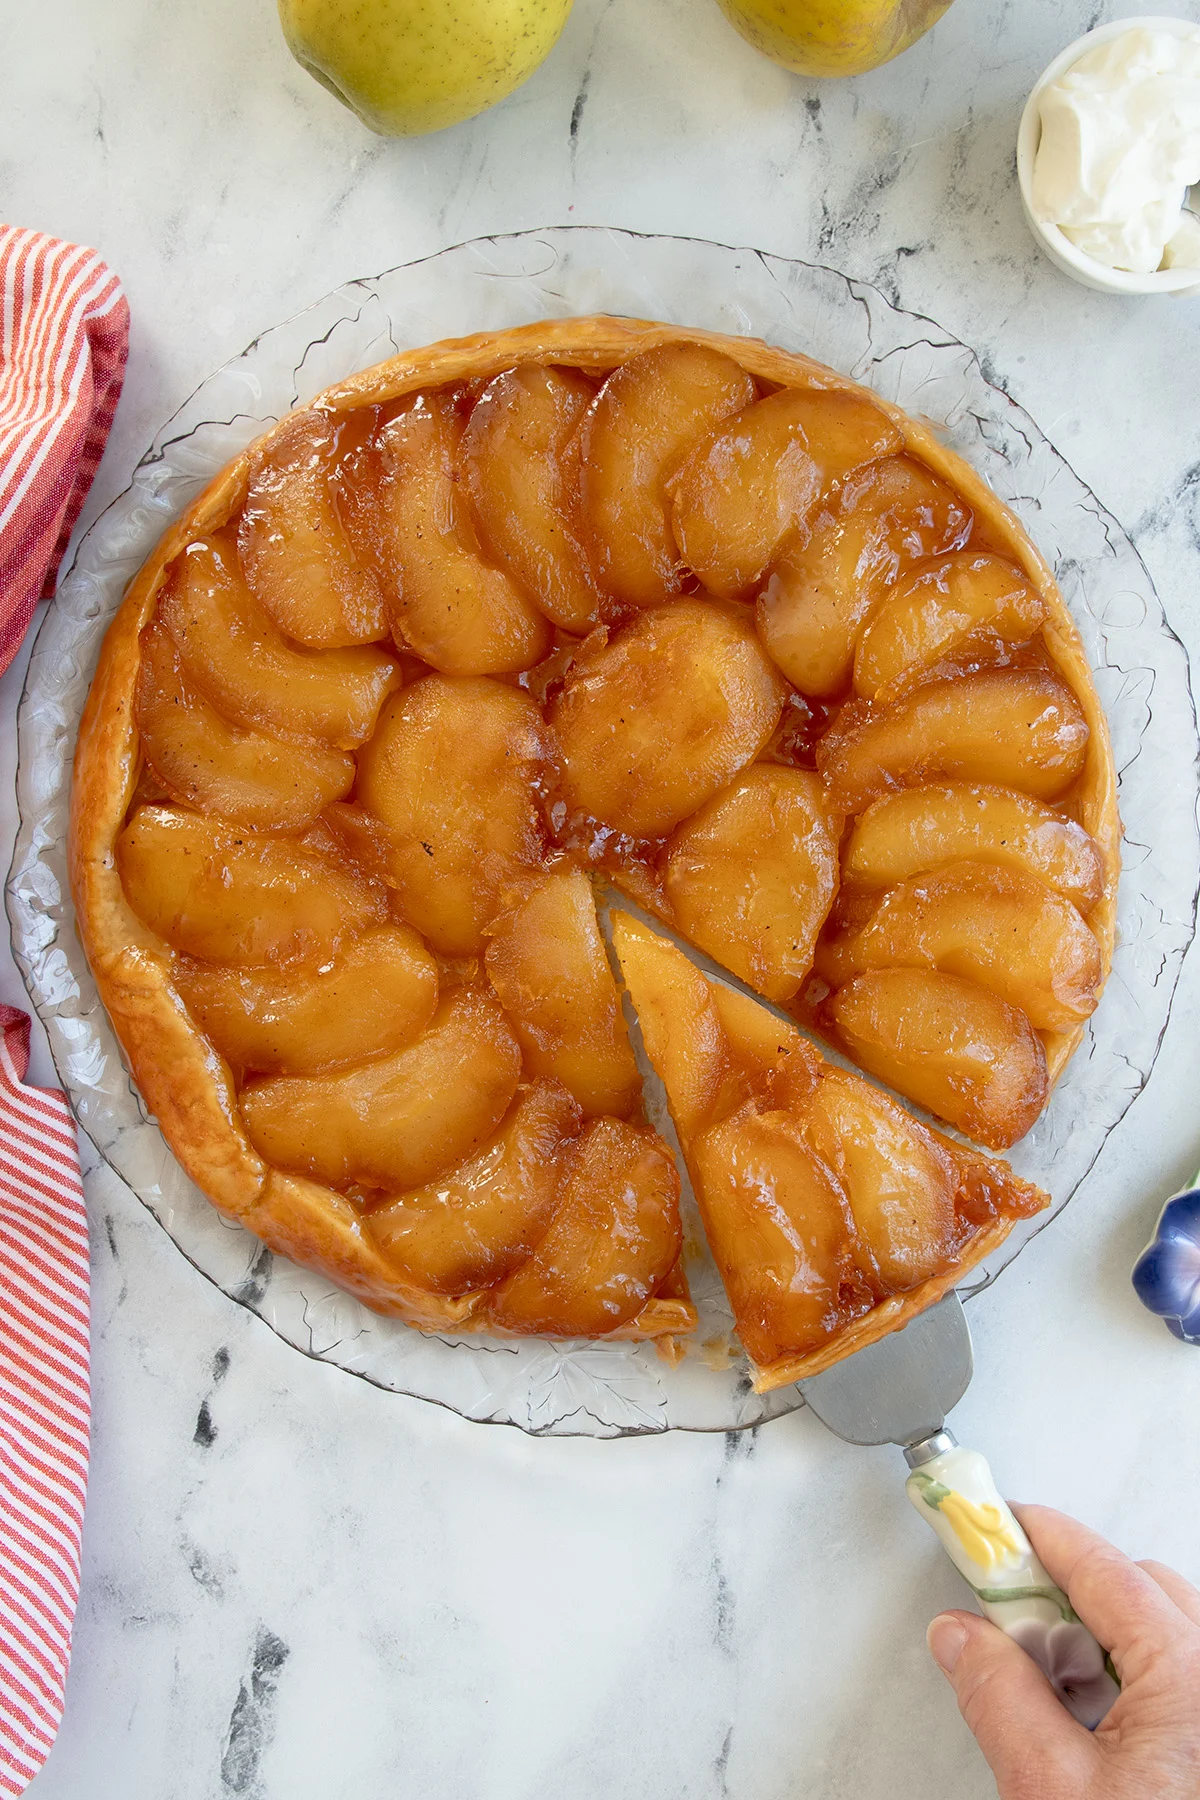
1026,1734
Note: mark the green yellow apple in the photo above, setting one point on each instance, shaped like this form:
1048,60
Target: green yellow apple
832,37
410,66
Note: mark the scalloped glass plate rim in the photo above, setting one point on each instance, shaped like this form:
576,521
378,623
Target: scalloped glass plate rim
555,1379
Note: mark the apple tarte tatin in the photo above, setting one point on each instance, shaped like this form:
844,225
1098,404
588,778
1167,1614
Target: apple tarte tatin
598,599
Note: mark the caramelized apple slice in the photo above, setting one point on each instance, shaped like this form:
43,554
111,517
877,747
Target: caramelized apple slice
955,1049
780,1232
226,895
472,1227
1020,728
360,487
664,715
455,610
240,659
714,1048
681,1029
752,875
549,968
613,1240
451,775
900,1182
826,584
755,478
1000,927
205,762
644,421
941,608
399,1120
294,548
921,828
378,994
521,453
778,1068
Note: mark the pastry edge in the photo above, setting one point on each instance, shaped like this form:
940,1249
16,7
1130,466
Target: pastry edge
892,1314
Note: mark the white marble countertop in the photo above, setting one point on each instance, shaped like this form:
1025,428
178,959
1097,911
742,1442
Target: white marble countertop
297,1586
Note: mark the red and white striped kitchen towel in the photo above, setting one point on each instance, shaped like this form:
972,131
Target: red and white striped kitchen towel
64,334
43,1404
64,337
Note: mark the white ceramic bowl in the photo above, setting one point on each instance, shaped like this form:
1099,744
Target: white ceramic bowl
1058,247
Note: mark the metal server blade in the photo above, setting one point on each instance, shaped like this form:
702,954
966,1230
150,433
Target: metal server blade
899,1390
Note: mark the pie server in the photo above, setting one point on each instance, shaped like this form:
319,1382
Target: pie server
898,1391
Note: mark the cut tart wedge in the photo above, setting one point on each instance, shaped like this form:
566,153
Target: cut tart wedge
832,1214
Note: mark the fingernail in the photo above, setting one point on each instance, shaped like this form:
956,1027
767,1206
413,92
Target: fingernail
946,1637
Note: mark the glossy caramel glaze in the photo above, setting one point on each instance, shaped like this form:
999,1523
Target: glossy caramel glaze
595,597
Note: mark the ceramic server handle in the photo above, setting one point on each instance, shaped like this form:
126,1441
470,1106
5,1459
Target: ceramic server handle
953,1491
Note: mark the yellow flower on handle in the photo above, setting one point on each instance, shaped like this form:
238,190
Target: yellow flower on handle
983,1530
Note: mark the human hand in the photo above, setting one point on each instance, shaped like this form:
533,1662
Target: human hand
1147,1617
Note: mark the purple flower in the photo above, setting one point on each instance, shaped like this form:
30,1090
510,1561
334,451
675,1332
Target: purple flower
1073,1663
1166,1276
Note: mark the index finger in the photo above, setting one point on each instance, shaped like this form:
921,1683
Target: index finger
1121,1605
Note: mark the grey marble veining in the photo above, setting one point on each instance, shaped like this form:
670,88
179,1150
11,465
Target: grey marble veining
296,1586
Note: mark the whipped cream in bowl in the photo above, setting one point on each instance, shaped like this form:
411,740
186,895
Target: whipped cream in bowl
1108,149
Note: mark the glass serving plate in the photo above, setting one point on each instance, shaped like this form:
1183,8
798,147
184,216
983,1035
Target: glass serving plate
602,1389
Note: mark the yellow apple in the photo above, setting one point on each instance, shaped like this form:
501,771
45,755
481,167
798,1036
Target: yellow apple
832,37
410,66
